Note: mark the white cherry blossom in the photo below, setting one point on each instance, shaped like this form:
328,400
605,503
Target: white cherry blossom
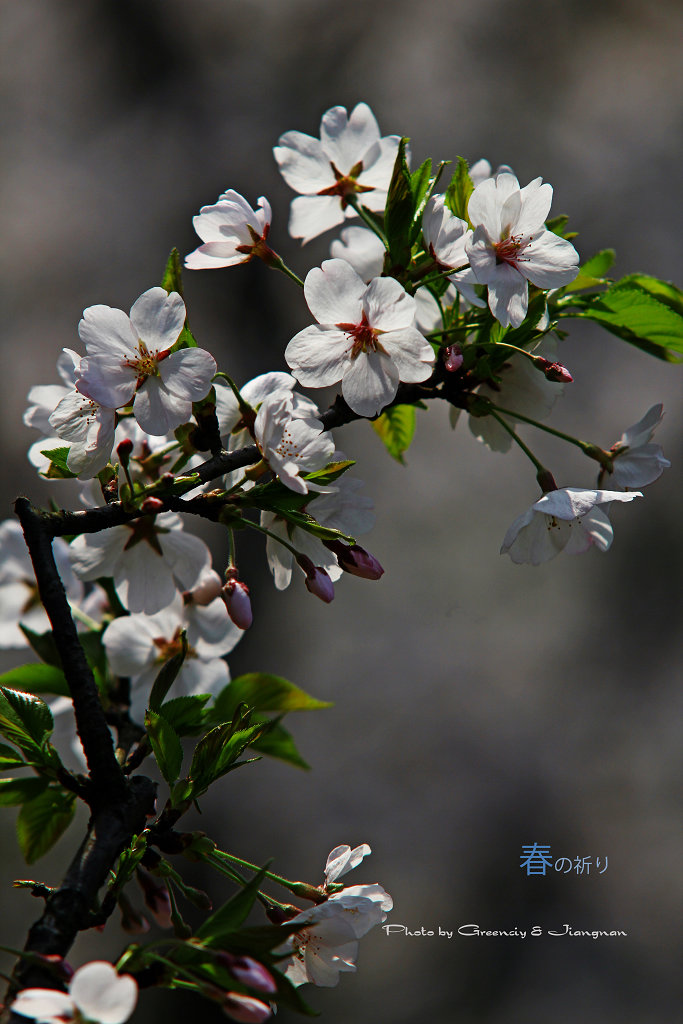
349,159
362,248
343,859
89,428
365,337
231,232
445,237
130,360
96,993
568,519
291,440
637,461
512,246
481,170
148,560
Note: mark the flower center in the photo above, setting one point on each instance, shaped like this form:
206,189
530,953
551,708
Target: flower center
346,184
147,363
365,337
143,529
508,249
169,648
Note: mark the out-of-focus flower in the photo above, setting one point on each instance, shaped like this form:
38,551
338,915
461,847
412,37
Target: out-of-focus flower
349,159
231,232
512,246
568,519
364,338
96,993
636,461
245,1009
249,971
130,360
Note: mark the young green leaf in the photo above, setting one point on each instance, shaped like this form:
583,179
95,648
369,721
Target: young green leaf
263,692
44,645
593,272
58,469
172,281
398,214
43,820
186,714
637,317
166,746
396,427
167,675
231,915
18,791
279,743
664,291
24,719
36,678
9,758
460,189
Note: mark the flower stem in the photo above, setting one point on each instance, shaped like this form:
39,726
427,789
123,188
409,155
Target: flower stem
367,219
593,451
540,468
283,268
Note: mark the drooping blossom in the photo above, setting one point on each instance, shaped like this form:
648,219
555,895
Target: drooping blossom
19,599
445,237
636,460
349,159
149,559
130,360
96,993
231,231
291,440
568,519
511,245
364,338
343,509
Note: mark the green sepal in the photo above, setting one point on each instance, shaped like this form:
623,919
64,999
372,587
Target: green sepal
396,428
166,746
43,820
459,190
18,791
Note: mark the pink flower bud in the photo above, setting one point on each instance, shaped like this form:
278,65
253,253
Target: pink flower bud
356,560
452,358
245,1008
249,971
555,372
236,597
124,450
320,584
156,898
206,591
152,505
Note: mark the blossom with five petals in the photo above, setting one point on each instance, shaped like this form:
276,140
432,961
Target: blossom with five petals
364,338
636,460
567,519
349,159
231,232
97,992
512,246
291,440
130,360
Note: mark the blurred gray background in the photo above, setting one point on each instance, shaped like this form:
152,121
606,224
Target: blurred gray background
480,706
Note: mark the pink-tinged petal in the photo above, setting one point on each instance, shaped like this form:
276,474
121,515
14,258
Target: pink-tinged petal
107,381
549,261
318,356
370,382
157,410
303,163
43,1004
158,318
186,556
345,140
597,531
188,372
222,221
334,293
536,202
103,995
508,295
387,305
279,557
67,366
245,1009
411,352
107,331
310,216
378,169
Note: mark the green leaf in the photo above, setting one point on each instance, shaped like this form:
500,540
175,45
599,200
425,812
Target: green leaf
24,719
232,914
9,758
263,692
18,791
398,214
331,472
396,427
58,469
172,281
166,746
167,675
43,820
637,317
592,272
664,291
278,742
186,714
44,645
420,182
36,678
460,189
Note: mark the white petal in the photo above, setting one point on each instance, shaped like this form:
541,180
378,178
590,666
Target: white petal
43,1004
484,208
103,995
107,332
641,432
387,305
508,295
549,261
303,163
129,643
334,293
362,249
186,556
157,410
188,372
536,202
158,318
370,382
346,140
310,216
410,352
143,580
94,555
318,356
343,859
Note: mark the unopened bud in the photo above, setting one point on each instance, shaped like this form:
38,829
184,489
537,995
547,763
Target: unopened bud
124,450
555,372
356,560
235,594
152,505
280,915
546,480
317,579
452,358
245,1008
156,899
206,591
132,921
249,971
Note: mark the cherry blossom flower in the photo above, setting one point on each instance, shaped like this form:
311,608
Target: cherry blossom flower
343,859
637,461
349,159
568,519
19,599
512,246
364,338
89,428
96,993
130,360
291,440
232,232
232,423
481,170
148,559
343,509
445,237
138,645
